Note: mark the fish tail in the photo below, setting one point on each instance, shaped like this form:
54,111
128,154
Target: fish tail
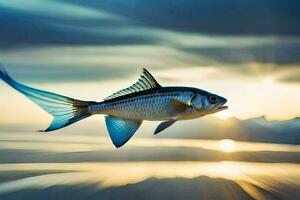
65,110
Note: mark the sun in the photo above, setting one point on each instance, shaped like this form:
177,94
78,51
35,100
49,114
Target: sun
227,145
268,80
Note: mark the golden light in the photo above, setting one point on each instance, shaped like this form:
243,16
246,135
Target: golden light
224,115
227,145
268,80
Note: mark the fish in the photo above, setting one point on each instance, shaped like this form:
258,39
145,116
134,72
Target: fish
125,110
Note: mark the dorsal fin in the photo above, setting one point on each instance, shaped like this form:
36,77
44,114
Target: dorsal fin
145,82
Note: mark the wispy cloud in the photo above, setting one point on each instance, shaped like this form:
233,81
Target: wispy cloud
249,17
51,35
55,9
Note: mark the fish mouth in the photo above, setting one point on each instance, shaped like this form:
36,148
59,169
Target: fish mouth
222,107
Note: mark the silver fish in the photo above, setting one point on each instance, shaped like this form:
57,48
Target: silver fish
126,109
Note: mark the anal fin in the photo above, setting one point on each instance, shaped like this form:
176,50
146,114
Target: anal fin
121,130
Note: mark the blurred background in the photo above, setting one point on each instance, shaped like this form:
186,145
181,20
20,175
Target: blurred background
247,51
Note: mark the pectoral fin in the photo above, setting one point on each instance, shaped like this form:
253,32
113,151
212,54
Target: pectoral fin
162,126
120,130
179,106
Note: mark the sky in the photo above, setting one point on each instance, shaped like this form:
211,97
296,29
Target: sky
247,51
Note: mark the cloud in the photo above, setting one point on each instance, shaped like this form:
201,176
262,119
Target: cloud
22,29
165,50
283,53
55,9
250,17
76,22
87,63
111,38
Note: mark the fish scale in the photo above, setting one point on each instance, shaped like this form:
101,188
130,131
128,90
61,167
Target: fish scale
147,107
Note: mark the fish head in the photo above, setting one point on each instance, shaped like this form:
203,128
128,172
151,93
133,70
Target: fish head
208,103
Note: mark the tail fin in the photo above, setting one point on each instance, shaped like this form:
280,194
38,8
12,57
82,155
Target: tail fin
65,110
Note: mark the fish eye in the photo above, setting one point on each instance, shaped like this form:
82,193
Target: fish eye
213,99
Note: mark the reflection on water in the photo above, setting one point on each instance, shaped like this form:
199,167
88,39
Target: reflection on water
85,165
247,175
